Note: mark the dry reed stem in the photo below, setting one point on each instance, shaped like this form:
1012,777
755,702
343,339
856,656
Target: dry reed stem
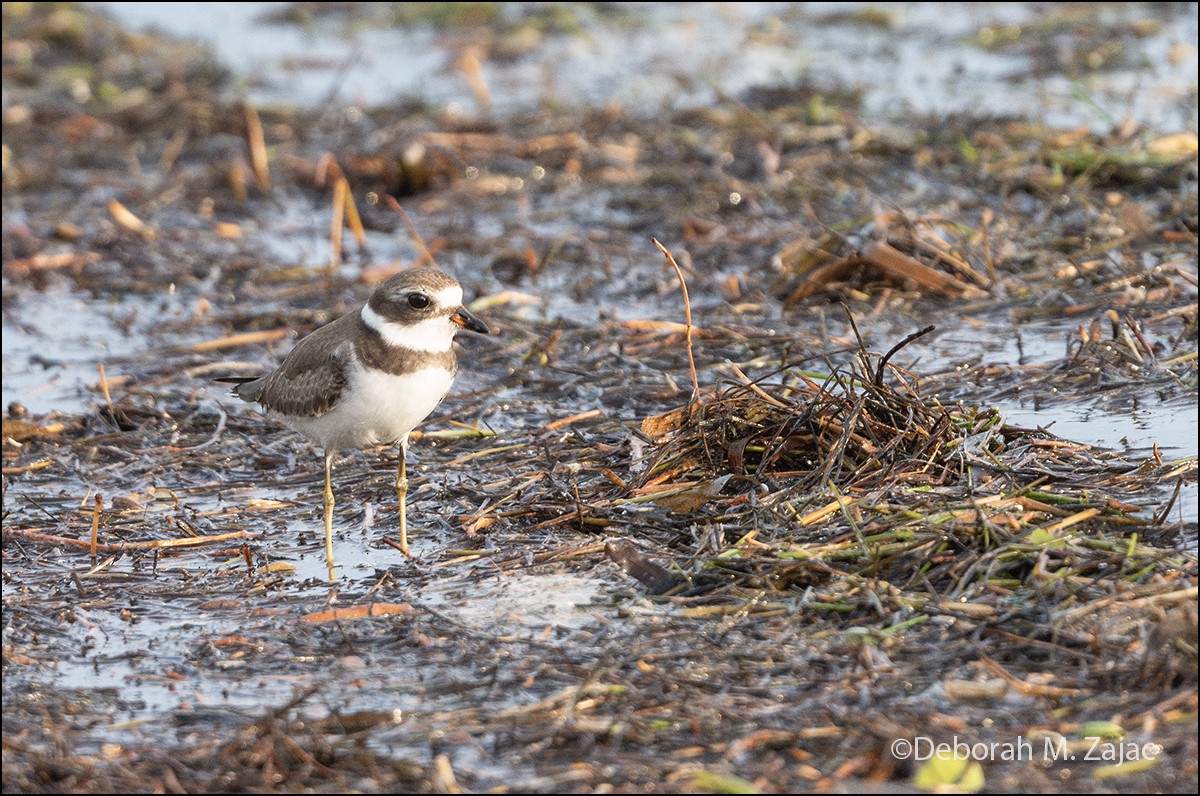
566,421
337,221
117,547
104,385
127,220
426,255
257,147
96,525
238,340
687,311
353,220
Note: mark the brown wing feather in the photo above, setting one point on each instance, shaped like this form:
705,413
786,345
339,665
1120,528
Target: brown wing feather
311,377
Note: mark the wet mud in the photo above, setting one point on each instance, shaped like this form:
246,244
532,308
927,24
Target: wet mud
762,550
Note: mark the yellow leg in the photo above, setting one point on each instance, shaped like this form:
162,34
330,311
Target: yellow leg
329,508
402,496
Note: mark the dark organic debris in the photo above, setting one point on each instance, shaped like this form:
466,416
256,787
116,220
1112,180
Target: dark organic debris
843,427
760,589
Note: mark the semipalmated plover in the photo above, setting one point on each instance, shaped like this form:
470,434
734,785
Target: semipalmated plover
371,376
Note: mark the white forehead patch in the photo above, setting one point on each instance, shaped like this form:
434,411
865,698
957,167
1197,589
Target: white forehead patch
448,297
434,335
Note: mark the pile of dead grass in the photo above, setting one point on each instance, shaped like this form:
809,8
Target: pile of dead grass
863,426
867,497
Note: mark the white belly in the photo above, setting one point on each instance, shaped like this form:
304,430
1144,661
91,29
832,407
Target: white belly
376,408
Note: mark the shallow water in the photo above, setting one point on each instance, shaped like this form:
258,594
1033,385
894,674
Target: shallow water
921,60
53,341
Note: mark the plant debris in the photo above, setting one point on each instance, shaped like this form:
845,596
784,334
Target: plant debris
754,534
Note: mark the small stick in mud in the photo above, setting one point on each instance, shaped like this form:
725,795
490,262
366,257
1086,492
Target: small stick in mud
36,535
337,222
426,255
257,147
687,312
104,385
96,525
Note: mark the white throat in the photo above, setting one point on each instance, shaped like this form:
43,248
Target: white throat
432,335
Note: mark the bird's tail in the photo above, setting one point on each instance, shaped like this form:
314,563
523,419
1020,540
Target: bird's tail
238,383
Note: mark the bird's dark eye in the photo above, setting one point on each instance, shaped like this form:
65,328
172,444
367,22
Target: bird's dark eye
418,301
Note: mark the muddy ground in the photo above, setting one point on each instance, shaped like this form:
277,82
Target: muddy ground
831,548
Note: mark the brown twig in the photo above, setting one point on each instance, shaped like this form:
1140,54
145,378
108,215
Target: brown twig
38,536
687,311
104,385
883,362
337,222
126,219
238,340
566,421
96,525
353,220
426,255
366,611
256,145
